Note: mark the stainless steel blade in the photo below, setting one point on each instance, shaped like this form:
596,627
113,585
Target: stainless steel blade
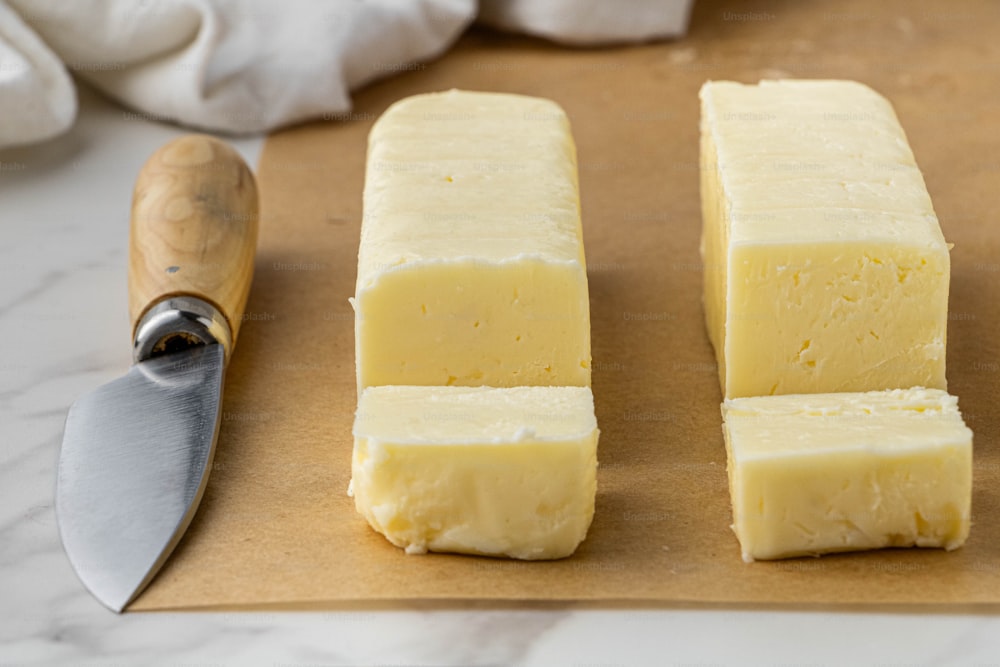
135,460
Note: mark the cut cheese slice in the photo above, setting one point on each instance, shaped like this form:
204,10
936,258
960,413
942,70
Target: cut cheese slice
825,266
818,473
479,470
471,268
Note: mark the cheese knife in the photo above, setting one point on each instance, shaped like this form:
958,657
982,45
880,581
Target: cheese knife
136,452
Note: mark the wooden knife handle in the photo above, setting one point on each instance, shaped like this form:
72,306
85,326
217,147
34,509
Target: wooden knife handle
193,229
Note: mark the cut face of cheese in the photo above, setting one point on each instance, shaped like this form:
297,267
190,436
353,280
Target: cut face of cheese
818,473
471,268
825,266
479,470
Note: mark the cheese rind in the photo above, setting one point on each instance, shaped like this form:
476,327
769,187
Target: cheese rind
479,470
825,266
471,268
820,473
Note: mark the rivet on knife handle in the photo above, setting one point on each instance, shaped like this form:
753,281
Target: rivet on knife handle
192,243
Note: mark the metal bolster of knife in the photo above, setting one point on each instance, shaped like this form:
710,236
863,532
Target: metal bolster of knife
178,323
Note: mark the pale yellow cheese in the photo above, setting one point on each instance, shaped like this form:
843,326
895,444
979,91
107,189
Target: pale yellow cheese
480,470
471,268
819,473
825,266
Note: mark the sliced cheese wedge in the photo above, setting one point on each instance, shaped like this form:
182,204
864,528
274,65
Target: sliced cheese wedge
471,268
818,473
825,266
479,470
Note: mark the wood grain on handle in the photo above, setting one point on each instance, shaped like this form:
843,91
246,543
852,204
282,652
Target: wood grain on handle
194,228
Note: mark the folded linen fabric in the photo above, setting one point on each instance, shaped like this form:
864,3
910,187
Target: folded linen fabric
246,66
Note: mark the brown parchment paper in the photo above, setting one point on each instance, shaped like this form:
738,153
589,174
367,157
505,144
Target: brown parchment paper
276,527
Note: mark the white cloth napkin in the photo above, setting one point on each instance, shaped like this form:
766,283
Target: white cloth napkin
589,22
252,65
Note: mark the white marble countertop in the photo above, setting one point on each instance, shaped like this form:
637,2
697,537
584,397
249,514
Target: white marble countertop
63,233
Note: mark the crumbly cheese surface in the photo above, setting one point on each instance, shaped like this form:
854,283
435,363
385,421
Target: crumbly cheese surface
825,266
480,470
471,267
819,473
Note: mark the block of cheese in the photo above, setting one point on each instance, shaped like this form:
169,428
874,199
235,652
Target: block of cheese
471,268
825,266
818,473
480,470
